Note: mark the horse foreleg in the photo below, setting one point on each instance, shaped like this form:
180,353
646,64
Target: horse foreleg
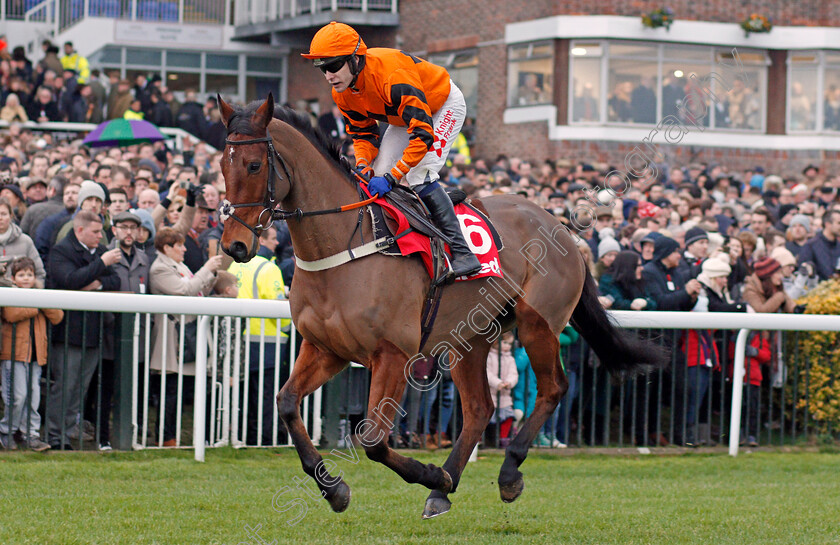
387,385
470,376
313,368
543,350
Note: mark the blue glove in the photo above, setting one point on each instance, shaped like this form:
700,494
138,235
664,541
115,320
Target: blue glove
381,184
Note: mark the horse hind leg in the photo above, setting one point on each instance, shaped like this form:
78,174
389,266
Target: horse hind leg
387,385
470,377
313,369
543,348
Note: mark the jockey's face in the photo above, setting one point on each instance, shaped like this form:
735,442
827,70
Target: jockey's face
341,79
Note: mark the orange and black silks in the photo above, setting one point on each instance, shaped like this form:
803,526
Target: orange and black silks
399,89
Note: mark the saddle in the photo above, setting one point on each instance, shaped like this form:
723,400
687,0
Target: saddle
403,217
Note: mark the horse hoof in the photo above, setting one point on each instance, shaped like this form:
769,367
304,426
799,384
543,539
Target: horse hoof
446,487
436,507
509,492
340,499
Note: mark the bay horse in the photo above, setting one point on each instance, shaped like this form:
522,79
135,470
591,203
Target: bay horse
369,310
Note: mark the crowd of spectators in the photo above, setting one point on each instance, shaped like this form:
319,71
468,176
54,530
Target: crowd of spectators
696,238
144,219
63,87
140,219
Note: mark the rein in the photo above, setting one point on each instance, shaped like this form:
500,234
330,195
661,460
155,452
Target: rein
269,201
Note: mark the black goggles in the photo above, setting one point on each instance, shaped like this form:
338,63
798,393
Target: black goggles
332,65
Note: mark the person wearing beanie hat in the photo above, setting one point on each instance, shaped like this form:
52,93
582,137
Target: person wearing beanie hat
823,250
714,277
696,250
797,233
764,290
91,198
671,290
664,248
608,248
795,283
90,189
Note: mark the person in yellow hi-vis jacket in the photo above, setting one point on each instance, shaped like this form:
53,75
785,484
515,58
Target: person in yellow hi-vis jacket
261,278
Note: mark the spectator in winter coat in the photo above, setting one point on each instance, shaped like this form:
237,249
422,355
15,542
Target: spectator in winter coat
14,243
796,283
764,289
622,283
78,262
24,331
824,249
758,353
502,376
191,116
663,281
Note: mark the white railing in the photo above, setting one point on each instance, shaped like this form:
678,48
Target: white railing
744,323
174,133
245,308
261,11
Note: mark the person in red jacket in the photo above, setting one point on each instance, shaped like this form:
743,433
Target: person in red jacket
423,108
757,354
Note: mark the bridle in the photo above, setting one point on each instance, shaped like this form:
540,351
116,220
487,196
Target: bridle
269,202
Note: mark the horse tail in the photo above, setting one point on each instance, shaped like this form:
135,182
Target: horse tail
617,349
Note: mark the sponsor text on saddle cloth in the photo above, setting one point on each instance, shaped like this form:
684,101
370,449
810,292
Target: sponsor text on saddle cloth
479,232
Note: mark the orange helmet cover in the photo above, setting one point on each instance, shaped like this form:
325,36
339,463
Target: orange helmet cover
335,40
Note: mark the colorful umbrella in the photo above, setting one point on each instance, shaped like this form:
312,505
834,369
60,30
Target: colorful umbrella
123,132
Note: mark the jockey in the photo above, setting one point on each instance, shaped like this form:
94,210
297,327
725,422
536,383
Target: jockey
424,110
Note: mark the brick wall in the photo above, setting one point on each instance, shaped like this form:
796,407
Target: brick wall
430,25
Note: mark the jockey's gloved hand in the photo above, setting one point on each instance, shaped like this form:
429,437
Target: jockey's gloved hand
381,184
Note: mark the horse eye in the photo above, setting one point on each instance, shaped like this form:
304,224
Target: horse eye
253,168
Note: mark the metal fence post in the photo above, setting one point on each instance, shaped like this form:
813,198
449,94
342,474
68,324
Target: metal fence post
200,403
737,391
123,382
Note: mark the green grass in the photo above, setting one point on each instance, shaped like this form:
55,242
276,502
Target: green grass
167,498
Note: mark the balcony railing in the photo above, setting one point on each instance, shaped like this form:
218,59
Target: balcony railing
249,12
64,13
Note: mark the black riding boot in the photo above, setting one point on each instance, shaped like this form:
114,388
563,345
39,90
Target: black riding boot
463,261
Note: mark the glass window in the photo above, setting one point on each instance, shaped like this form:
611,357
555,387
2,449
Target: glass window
111,55
530,74
803,77
631,49
183,59
222,62
641,83
226,85
265,64
831,93
631,90
688,53
683,96
463,69
586,82
181,81
258,87
145,57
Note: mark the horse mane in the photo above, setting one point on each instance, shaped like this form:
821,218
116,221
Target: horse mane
240,122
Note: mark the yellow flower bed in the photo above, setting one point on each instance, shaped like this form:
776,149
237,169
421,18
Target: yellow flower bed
819,386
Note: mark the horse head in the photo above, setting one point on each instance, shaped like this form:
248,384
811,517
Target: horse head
254,182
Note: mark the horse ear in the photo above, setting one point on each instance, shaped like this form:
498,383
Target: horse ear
225,109
265,113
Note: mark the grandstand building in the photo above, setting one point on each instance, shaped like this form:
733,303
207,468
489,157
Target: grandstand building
579,80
